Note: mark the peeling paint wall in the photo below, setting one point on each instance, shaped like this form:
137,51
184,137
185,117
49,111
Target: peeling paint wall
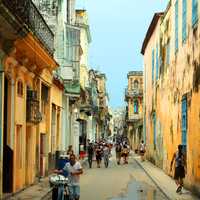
178,79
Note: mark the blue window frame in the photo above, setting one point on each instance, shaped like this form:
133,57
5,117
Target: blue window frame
194,12
176,26
184,20
153,65
157,62
168,53
136,107
184,122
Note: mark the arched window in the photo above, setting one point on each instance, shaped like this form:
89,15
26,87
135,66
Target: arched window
20,88
136,84
135,107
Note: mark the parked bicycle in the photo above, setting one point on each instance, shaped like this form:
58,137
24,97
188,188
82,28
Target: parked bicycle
59,184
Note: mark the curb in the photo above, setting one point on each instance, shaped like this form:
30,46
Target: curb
154,181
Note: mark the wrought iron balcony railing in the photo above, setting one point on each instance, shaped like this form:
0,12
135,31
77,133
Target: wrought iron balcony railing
33,114
26,12
133,93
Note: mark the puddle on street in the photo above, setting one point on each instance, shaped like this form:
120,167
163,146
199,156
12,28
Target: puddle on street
140,191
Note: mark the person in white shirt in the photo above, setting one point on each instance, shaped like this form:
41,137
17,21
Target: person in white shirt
74,170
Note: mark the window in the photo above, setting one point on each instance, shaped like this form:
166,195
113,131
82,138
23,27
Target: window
194,12
184,20
157,62
136,107
168,53
152,65
136,84
44,99
176,26
20,88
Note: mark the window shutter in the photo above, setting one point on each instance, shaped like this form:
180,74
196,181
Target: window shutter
184,20
194,12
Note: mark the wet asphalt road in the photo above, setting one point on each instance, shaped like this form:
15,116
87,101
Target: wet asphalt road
118,182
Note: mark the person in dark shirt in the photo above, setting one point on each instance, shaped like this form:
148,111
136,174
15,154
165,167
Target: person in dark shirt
90,154
98,156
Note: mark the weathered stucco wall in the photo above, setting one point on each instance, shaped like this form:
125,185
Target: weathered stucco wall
177,79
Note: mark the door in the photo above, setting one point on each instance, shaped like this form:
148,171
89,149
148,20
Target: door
19,157
42,154
184,122
29,156
7,151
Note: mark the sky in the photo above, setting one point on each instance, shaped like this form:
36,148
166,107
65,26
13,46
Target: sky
118,28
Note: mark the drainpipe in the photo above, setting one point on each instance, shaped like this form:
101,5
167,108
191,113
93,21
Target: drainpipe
1,120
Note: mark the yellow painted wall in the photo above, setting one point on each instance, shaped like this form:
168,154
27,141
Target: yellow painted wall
25,147
177,80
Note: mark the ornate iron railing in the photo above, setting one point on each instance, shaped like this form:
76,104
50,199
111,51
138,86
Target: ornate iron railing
26,12
33,114
133,93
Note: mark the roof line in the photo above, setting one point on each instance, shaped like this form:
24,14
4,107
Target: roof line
151,28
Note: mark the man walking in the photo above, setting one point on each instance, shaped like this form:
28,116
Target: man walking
74,169
180,168
106,153
118,150
90,154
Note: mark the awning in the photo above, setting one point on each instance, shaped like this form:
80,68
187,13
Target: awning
72,88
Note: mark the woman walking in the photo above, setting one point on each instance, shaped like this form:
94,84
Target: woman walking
98,156
180,168
106,153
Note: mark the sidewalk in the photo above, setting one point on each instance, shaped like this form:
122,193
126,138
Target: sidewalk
165,183
38,191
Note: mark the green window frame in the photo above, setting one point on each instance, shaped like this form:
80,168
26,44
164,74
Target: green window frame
153,63
184,20
176,26
194,12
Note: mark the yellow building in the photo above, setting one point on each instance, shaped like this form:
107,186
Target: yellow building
171,59
28,93
134,99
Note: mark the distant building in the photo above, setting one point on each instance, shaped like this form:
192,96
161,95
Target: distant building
134,99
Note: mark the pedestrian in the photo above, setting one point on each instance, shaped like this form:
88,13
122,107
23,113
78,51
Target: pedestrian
125,152
90,154
142,150
98,156
180,168
106,154
118,150
74,170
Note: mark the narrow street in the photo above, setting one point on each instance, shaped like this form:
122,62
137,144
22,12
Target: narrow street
124,182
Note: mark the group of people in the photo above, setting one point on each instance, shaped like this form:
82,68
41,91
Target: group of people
103,149
100,150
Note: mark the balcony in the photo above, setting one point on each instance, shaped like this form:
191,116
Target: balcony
133,93
33,114
27,13
135,118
